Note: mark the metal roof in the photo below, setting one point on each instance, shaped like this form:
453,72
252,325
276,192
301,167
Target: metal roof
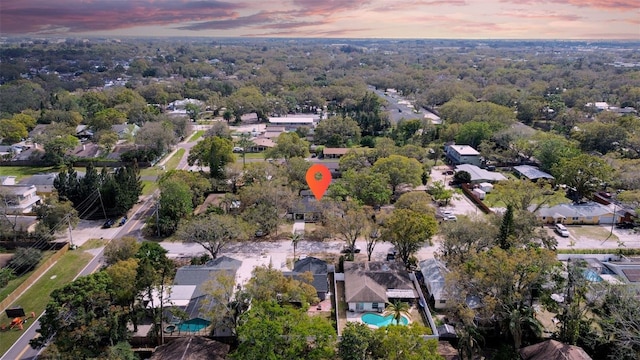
532,172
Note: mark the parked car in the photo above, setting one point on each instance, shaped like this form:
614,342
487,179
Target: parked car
450,218
448,172
237,149
348,250
561,230
123,220
109,223
260,233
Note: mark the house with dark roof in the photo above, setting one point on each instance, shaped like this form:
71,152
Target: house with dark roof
318,268
334,153
370,285
42,182
191,286
191,348
306,208
553,350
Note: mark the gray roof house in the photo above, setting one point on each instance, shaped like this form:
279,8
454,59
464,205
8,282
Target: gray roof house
124,130
531,172
189,290
370,285
479,175
318,268
462,154
590,213
433,272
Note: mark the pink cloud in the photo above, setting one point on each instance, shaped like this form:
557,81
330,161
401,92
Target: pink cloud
527,14
28,16
611,5
328,7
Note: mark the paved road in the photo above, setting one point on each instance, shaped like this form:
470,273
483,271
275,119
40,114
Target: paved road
399,108
87,230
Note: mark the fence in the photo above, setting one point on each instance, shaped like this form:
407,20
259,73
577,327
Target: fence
4,304
475,199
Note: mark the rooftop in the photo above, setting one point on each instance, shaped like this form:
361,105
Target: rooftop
532,172
478,174
464,150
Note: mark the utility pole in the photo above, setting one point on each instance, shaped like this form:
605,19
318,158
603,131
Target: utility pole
102,204
158,217
70,236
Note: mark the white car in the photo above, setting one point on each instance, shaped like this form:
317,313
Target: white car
450,218
447,212
238,149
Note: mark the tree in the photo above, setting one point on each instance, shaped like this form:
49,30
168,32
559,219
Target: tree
24,260
440,192
245,143
417,201
397,342
104,119
55,215
355,343
219,129
227,305
400,169
288,145
506,229
371,236
12,131
274,331
157,135
107,139
408,230
296,172
550,148
121,249
193,111
348,221
366,186
337,131
583,173
601,137
473,133
268,284
462,177
397,309
55,148
213,232
619,316
220,155
524,195
175,204
463,239
295,239
505,282
81,320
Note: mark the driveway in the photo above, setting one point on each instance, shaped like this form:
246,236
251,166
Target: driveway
459,204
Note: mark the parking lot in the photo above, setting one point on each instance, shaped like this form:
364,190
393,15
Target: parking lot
459,204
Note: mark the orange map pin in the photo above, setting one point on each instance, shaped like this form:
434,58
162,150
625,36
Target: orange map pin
318,177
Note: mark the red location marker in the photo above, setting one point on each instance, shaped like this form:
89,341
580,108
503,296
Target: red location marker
318,178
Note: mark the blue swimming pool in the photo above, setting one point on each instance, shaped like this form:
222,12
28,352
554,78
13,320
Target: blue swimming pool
591,275
380,321
193,325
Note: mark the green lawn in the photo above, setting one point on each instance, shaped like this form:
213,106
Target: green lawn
25,171
196,135
148,187
37,296
250,156
175,160
13,284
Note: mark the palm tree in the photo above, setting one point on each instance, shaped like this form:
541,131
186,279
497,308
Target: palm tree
245,143
521,319
397,309
295,238
469,341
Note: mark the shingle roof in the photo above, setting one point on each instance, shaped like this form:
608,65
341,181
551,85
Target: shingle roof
553,350
478,174
369,281
363,289
192,348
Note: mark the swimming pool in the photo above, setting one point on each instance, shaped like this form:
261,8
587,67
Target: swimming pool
380,321
591,275
193,326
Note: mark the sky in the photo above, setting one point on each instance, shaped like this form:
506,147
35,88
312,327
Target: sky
449,19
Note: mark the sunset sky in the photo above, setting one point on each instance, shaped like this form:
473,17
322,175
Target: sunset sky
453,19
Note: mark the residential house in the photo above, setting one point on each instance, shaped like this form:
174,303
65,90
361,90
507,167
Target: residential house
553,350
531,172
40,129
42,182
191,348
627,270
7,180
20,198
84,133
190,290
462,154
261,144
370,285
433,272
590,213
86,150
305,208
334,153
125,130
318,268
291,123
479,175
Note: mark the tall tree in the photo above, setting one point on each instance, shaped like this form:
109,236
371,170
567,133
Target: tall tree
337,131
213,232
348,221
398,309
506,229
408,231
221,154
288,145
400,169
583,173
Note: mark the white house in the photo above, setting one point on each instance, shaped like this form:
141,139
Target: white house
433,272
20,198
462,154
291,123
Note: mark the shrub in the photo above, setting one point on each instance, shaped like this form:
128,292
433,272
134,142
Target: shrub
24,260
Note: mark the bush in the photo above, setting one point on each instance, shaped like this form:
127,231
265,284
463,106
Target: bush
139,155
24,260
6,275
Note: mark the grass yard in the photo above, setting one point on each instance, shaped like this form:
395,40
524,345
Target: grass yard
13,284
148,187
592,232
174,160
37,296
250,156
21,172
196,135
